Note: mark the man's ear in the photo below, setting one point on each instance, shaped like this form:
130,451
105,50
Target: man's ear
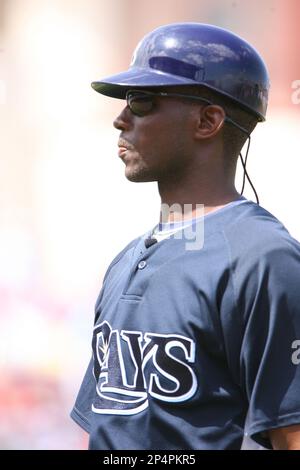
210,121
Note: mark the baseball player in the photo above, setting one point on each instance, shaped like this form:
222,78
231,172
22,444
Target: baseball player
190,339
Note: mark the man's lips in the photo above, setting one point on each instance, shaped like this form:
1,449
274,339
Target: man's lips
122,151
124,146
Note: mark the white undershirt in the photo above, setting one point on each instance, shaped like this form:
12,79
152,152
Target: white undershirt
165,230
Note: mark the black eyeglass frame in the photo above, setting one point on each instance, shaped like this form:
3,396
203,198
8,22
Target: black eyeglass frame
146,93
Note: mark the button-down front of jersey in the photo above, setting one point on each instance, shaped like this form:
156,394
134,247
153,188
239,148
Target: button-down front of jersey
142,264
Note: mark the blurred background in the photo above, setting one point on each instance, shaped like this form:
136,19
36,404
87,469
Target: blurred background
66,208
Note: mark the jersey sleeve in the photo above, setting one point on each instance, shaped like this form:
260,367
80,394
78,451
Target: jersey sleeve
267,287
81,412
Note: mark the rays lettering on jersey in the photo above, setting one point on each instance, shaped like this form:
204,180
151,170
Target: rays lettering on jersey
131,365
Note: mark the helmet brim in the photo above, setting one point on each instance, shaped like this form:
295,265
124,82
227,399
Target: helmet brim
116,86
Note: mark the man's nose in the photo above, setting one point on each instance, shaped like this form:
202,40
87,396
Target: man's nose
122,122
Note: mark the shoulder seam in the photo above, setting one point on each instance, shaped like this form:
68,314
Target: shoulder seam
231,268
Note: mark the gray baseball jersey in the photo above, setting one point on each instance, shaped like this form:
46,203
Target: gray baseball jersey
187,342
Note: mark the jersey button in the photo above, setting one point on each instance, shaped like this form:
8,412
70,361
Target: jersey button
142,264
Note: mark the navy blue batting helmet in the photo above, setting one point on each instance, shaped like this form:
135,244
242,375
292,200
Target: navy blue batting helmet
195,54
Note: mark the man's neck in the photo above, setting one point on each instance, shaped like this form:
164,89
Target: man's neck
172,211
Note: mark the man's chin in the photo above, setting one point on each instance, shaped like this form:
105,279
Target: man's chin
139,177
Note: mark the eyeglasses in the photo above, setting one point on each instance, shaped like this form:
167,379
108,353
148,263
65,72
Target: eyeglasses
142,102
